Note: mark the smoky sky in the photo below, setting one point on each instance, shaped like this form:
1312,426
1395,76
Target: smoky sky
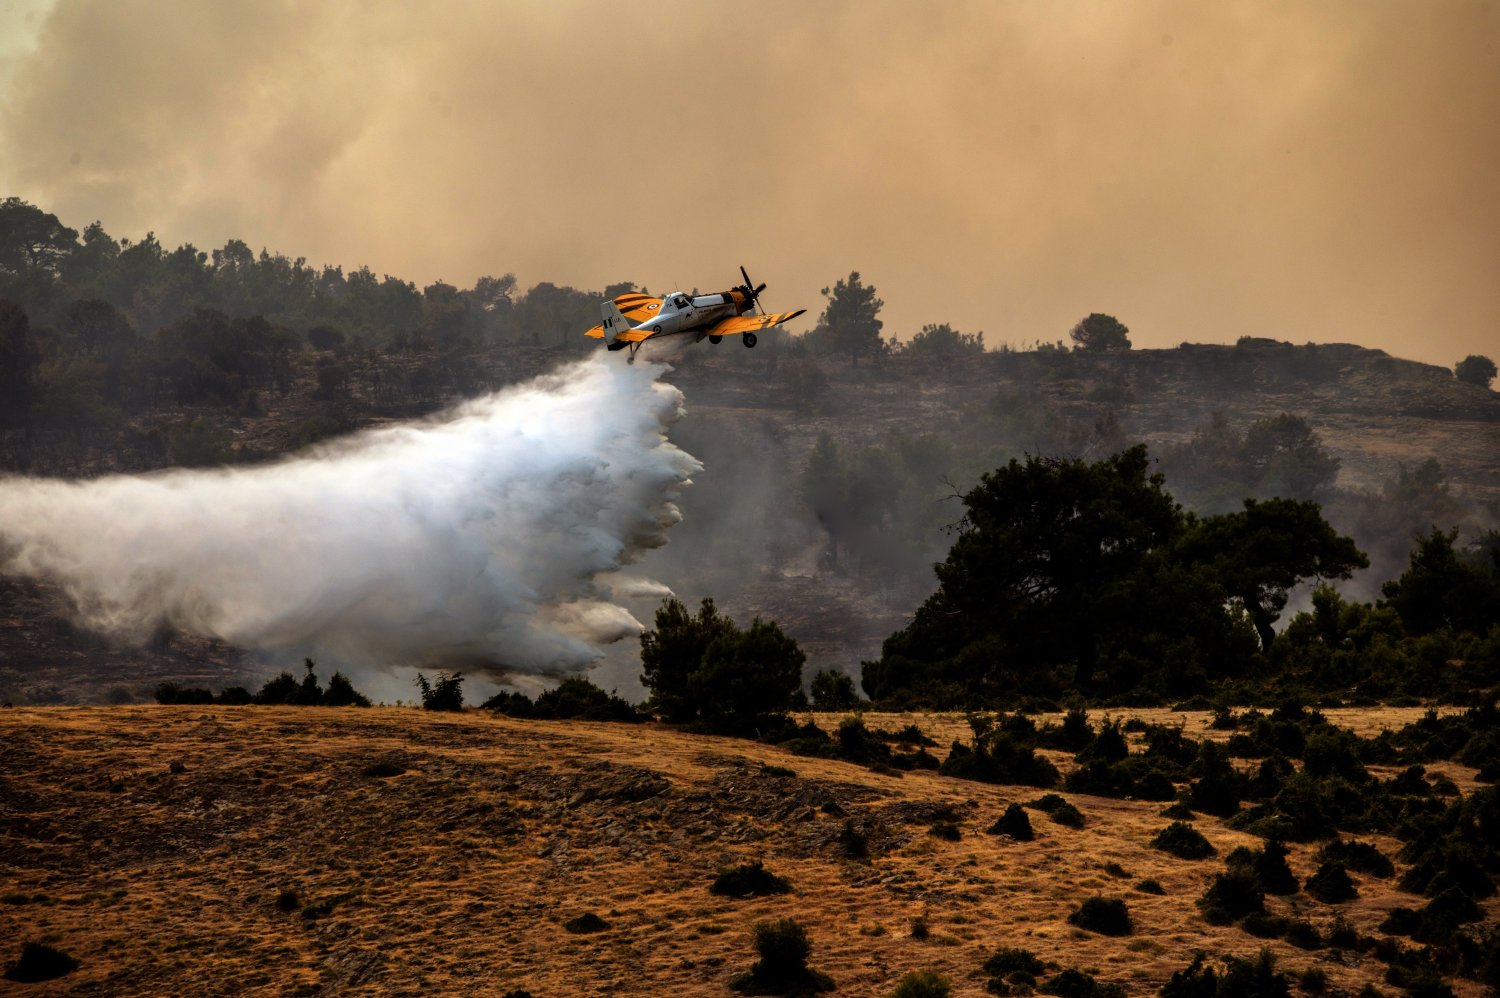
1309,171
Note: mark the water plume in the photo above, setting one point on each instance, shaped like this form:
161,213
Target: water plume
492,533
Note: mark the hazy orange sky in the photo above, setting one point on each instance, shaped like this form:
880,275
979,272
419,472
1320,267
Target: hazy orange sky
1316,171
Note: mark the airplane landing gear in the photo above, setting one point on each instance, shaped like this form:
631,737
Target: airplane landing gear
749,339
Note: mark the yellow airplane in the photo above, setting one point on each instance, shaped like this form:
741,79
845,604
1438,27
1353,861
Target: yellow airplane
632,319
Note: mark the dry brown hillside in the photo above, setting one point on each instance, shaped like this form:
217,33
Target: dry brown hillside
222,850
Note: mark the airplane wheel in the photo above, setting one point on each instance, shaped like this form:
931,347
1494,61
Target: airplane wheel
656,329
749,339
716,340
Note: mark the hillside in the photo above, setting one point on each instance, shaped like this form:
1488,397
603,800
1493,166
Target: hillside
750,539
429,853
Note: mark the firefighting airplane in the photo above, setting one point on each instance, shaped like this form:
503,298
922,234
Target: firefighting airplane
632,319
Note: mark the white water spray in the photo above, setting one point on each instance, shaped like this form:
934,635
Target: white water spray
489,535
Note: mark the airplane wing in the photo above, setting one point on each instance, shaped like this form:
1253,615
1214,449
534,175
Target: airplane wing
750,323
636,308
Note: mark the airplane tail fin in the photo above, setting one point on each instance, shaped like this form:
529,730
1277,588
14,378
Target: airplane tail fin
615,323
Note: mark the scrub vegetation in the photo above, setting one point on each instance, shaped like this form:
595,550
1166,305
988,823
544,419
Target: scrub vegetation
1024,704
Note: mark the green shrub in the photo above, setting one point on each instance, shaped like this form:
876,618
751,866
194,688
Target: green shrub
586,923
1011,960
1303,934
1313,980
1331,884
1361,857
173,694
1240,979
1232,896
999,758
852,841
1072,983
39,962
1183,841
783,947
278,691
1106,916
446,695
946,830
923,984
832,690
1058,809
1013,823
341,693
1342,935
749,880
511,703
1267,865
578,699
1264,926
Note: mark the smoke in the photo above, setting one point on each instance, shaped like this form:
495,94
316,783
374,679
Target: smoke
491,535
1308,171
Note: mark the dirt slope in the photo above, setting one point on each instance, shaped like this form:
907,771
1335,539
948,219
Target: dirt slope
455,873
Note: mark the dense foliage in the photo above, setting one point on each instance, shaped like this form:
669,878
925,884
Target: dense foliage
702,668
1068,575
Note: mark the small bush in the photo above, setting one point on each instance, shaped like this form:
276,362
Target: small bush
1012,960
945,830
1151,886
1331,884
1232,896
1362,857
749,880
1106,916
585,923
383,769
1183,841
1264,926
783,947
288,901
1072,983
278,691
919,928
1240,979
1303,934
1313,980
341,693
173,694
1342,935
832,690
577,699
234,696
447,694
1058,810
39,962
853,842
1272,871
1013,823
923,984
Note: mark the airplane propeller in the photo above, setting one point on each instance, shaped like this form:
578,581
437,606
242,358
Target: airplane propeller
752,292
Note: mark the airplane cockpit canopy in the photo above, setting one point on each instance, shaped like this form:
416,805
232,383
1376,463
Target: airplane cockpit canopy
679,301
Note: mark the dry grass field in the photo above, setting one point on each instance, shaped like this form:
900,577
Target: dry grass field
442,854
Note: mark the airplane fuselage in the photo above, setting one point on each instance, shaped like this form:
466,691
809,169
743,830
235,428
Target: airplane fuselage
684,313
